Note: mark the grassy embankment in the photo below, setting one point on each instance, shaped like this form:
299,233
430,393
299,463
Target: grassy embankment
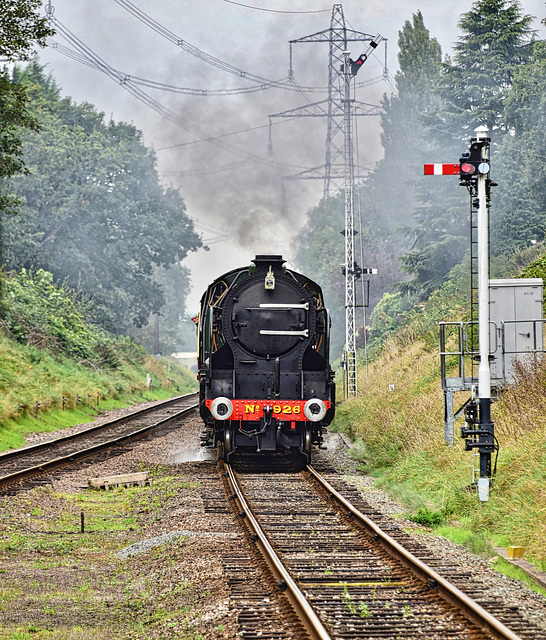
29,375
50,352
400,434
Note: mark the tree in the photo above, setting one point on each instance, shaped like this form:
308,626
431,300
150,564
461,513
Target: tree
471,91
93,212
496,41
21,29
519,216
408,144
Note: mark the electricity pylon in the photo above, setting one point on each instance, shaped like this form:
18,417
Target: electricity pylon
338,37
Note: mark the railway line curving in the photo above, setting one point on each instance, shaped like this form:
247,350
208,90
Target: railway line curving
20,466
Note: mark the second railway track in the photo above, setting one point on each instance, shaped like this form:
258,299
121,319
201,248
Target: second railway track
348,579
19,465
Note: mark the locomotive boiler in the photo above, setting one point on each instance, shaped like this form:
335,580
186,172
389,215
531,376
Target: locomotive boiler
266,384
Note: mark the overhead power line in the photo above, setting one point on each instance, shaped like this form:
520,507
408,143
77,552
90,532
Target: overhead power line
285,83
87,56
249,6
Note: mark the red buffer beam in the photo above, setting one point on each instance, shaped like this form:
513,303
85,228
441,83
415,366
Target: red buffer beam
442,169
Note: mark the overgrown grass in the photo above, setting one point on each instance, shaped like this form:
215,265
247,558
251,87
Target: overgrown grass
397,421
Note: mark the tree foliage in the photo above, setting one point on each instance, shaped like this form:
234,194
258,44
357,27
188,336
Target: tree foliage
21,29
93,212
39,313
496,41
520,216
471,90
497,77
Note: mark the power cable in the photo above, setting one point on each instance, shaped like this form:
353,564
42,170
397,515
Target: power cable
93,60
223,135
249,6
202,55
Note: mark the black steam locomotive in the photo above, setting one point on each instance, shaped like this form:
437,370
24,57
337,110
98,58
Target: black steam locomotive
266,384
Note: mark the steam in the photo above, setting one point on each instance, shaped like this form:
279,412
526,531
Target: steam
232,184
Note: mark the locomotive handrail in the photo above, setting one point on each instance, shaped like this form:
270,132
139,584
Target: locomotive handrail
284,307
267,332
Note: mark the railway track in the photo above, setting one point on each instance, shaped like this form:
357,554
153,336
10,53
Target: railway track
350,573
21,466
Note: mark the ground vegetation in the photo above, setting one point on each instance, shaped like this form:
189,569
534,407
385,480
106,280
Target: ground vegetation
58,369
397,424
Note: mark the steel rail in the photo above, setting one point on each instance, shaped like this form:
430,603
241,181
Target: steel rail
471,609
6,455
75,455
304,610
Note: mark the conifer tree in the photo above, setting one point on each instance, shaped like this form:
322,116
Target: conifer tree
496,41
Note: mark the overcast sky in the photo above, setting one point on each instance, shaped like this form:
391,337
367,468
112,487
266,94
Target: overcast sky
232,185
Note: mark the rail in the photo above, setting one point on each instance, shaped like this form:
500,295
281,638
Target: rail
452,594
285,582
27,471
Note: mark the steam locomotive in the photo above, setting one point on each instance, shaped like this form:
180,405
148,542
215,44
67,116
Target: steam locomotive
266,384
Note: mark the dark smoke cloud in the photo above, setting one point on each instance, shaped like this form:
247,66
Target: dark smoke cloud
224,187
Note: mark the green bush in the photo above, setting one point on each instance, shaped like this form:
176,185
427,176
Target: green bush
38,313
427,517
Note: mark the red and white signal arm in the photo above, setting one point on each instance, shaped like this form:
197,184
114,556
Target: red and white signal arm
442,169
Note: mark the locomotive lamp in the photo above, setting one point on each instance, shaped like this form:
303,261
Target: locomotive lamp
314,410
221,408
270,280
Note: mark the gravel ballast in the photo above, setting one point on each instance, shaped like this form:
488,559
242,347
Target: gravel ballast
171,559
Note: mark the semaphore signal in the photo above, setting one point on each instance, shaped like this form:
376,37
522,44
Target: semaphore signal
442,169
473,171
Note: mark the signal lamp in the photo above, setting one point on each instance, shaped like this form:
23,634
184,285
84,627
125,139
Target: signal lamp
472,164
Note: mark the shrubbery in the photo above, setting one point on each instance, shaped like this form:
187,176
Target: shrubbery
37,312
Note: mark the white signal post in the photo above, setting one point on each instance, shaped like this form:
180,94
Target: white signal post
484,371
350,330
474,170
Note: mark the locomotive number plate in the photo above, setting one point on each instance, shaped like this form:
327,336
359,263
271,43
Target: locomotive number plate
280,409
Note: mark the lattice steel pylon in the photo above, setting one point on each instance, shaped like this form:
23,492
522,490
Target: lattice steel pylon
332,108
350,263
338,171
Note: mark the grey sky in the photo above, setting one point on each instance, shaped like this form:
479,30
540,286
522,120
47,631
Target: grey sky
227,184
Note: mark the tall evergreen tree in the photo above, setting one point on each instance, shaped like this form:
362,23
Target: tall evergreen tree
496,41
405,138
472,89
